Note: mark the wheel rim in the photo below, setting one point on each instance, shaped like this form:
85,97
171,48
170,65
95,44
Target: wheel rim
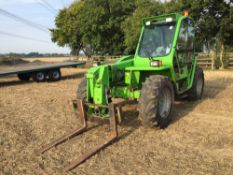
40,76
199,86
165,102
56,75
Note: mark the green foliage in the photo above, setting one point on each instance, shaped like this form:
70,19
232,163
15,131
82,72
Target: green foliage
225,33
101,26
93,25
67,31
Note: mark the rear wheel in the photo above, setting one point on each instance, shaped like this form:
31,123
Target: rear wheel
196,92
156,101
54,75
39,76
24,77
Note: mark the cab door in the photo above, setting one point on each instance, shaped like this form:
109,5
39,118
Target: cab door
185,52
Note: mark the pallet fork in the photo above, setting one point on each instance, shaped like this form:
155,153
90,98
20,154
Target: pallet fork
113,120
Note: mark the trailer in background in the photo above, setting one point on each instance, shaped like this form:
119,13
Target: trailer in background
51,72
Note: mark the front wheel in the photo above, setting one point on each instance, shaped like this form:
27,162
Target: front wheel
156,101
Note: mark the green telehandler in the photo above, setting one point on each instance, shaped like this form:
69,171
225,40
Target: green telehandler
163,69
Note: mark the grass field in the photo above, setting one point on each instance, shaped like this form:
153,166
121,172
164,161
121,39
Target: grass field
199,140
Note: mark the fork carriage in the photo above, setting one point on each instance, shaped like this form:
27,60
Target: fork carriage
115,117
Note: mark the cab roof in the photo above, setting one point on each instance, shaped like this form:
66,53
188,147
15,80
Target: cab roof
173,16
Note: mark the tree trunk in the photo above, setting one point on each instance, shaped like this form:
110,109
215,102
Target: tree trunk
213,58
222,55
208,47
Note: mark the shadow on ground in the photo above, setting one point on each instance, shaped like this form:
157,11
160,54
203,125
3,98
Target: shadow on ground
211,90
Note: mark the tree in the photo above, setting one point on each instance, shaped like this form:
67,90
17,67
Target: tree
93,25
225,33
67,31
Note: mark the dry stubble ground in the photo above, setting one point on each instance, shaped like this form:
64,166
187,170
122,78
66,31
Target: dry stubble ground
199,140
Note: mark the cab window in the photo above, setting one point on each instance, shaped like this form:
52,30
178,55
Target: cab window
186,36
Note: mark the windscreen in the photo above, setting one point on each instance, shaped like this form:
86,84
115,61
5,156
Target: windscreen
157,40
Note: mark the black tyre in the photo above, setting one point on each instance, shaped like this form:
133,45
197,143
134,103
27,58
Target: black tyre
156,101
39,76
196,92
24,77
81,90
54,75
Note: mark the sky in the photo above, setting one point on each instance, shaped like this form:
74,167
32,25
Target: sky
37,12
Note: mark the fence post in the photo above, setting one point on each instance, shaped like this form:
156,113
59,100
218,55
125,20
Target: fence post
226,60
213,58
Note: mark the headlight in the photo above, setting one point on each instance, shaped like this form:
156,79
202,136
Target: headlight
156,63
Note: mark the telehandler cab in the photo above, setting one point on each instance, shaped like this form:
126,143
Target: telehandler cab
163,69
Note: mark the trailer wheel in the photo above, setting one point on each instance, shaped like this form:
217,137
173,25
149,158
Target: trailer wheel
156,101
24,77
82,90
196,92
39,76
54,75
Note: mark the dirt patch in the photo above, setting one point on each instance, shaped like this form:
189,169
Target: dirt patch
13,62
199,140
